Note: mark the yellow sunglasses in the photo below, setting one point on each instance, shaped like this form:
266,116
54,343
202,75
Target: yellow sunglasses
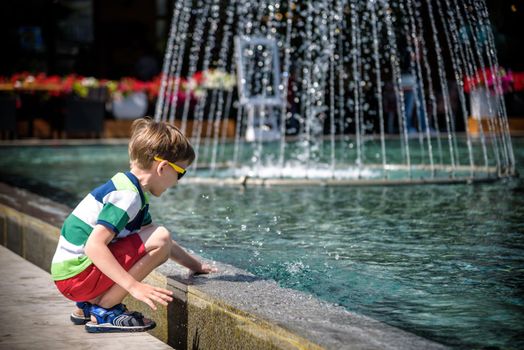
180,171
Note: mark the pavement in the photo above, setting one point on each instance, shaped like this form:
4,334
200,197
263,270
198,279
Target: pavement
34,315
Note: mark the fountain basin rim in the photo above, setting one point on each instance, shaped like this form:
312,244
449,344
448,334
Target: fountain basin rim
250,181
437,174
387,166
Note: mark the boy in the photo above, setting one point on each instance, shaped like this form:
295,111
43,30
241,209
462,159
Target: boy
108,244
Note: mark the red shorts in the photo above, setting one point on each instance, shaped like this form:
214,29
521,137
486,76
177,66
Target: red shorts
91,282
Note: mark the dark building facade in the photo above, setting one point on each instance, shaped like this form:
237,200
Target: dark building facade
106,39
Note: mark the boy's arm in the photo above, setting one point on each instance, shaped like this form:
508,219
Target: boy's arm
185,259
96,249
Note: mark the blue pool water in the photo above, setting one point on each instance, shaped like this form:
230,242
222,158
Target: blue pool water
443,262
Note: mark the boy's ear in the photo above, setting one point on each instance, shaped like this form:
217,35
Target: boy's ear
160,167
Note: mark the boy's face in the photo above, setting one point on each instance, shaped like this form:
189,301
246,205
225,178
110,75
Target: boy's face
166,177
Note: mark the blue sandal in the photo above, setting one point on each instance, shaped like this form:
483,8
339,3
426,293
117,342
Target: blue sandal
80,320
118,319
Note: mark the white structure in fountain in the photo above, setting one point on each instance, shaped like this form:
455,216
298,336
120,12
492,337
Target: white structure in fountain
258,89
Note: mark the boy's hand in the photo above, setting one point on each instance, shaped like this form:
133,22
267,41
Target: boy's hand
185,259
149,294
206,268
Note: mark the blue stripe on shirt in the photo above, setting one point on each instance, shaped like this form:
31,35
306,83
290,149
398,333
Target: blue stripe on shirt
100,192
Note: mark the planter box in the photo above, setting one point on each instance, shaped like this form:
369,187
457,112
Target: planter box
516,125
84,117
121,128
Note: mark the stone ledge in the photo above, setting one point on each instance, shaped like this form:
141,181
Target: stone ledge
260,307
229,309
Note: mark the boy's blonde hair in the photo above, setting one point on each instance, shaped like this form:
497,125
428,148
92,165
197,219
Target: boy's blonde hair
150,138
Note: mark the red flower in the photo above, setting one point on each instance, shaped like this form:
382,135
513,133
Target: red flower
518,81
488,78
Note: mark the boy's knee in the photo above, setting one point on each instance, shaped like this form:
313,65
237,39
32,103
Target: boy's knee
162,240
162,233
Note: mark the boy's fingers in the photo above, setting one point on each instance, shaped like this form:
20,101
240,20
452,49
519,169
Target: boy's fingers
163,296
159,300
162,290
150,303
208,268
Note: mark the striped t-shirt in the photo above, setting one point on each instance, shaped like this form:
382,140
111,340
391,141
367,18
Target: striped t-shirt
120,205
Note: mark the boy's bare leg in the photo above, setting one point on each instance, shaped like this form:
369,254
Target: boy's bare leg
157,241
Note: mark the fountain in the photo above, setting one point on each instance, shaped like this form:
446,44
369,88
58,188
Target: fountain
316,93
321,93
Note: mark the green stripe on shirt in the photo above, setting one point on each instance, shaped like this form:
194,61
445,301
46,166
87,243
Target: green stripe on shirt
147,219
69,268
122,183
75,230
114,215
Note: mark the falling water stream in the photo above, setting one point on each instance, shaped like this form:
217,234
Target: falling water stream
336,57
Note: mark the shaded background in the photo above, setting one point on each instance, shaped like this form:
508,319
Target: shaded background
117,38
88,37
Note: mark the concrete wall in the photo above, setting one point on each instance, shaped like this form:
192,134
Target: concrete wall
29,237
